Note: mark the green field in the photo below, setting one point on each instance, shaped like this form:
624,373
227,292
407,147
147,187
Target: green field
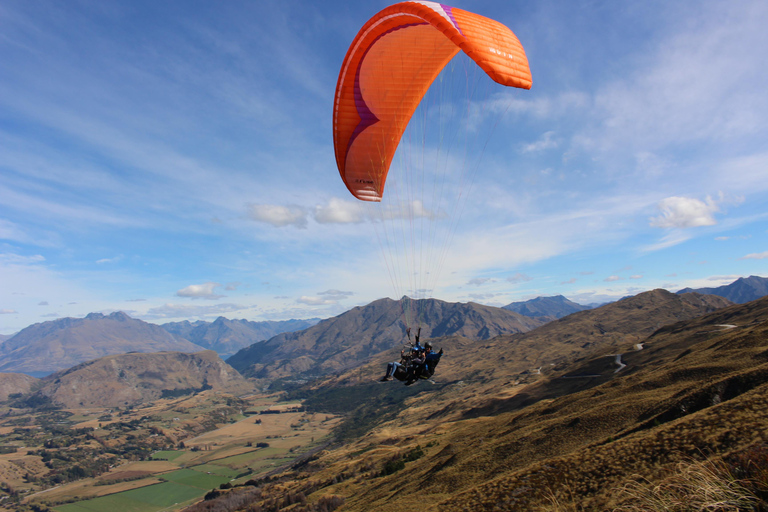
192,478
217,469
146,499
244,459
167,455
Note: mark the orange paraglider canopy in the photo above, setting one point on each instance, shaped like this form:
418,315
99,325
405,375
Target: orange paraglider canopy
389,67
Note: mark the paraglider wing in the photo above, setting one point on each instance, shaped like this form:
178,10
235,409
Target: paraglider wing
389,67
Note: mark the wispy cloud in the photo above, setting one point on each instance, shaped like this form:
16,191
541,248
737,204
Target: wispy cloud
109,260
170,311
519,278
336,294
279,216
479,281
756,256
316,301
546,141
326,298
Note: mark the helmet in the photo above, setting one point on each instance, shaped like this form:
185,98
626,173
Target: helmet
427,345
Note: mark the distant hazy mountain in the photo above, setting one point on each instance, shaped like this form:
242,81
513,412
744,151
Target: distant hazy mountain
129,379
554,307
228,336
744,289
46,347
352,337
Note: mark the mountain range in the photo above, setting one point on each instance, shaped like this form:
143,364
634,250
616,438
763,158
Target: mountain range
352,338
226,336
522,411
744,289
567,413
43,348
60,344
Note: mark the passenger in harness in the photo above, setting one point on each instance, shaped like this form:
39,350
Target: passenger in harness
408,357
425,368
416,362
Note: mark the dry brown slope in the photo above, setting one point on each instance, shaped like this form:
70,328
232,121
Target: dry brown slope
14,383
703,392
130,379
492,371
579,440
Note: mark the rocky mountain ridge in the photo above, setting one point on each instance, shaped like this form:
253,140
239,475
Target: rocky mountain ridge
554,307
351,338
744,289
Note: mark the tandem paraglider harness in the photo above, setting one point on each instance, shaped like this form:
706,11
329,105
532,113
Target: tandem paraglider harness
416,363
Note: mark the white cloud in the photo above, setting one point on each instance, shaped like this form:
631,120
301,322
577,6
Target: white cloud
339,211
200,291
637,276
610,279
8,312
756,256
316,301
685,212
278,216
109,260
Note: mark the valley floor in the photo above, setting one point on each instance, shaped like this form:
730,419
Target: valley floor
209,440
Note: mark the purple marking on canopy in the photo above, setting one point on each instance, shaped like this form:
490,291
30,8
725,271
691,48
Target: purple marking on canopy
449,11
367,118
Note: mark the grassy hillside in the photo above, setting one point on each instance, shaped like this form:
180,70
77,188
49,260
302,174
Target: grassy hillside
571,436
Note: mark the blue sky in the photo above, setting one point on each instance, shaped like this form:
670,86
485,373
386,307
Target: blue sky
174,160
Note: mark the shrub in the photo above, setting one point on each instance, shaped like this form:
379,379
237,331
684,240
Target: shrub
695,486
